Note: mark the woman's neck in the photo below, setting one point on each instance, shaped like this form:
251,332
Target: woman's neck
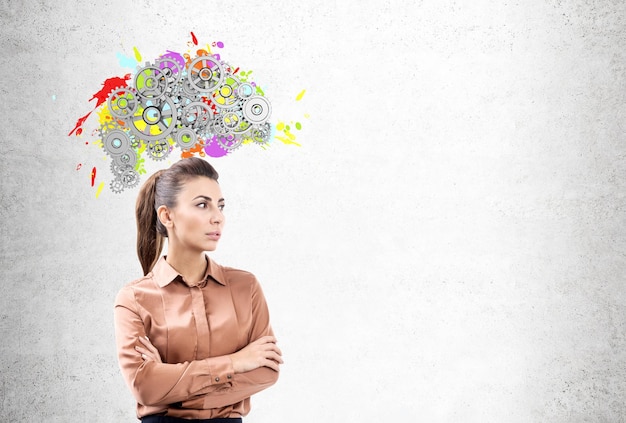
191,265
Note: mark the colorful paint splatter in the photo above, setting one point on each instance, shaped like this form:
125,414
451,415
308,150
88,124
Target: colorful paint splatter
192,101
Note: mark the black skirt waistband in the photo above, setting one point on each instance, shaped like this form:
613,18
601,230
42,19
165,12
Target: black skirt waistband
168,419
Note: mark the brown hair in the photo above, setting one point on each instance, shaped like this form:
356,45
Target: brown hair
160,189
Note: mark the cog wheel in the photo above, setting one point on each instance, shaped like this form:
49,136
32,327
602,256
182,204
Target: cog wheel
117,185
257,109
227,96
218,127
234,122
245,90
158,149
151,82
127,158
116,142
185,138
196,115
170,68
109,125
130,178
260,134
154,120
229,141
205,74
118,170
123,103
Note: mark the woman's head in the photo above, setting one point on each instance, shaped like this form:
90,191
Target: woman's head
181,203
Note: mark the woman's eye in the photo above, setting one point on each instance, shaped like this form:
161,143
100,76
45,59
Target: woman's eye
202,205
221,207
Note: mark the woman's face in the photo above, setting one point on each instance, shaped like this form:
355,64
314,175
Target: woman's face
197,220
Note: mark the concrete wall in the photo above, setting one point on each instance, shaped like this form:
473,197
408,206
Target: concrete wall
447,245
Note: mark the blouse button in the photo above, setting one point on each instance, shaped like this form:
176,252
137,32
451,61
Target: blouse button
217,379
229,377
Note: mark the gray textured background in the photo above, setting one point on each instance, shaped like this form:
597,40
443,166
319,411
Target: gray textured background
447,245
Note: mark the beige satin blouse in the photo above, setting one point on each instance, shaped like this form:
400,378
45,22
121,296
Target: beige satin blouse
194,328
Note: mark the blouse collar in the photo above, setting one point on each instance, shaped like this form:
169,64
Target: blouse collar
163,273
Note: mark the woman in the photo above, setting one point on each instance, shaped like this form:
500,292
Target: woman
194,340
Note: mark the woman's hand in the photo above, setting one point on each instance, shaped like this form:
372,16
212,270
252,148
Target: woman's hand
148,351
261,353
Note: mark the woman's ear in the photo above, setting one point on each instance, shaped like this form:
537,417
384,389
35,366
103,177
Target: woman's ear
163,214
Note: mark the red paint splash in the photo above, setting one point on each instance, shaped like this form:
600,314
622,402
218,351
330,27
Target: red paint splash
79,123
93,175
193,38
108,86
79,166
101,96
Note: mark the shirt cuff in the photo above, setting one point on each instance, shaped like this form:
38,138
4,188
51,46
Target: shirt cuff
220,369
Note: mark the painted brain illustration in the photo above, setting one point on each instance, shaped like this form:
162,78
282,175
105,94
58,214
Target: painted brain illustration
198,104
174,102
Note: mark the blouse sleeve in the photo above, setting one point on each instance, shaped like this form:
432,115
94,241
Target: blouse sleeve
213,378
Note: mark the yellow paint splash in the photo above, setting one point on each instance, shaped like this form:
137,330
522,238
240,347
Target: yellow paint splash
99,190
137,55
299,96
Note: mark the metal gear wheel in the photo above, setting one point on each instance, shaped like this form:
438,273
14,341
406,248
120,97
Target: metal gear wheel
229,141
171,69
260,134
151,82
158,149
245,90
109,125
129,157
256,109
130,178
117,185
227,95
185,138
154,120
116,142
205,74
117,169
123,103
196,115
234,122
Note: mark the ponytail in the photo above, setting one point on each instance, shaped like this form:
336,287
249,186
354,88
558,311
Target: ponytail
160,189
149,239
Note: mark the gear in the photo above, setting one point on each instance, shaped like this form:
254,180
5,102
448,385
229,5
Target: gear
109,125
116,142
197,115
205,74
158,149
234,122
170,68
129,157
154,120
230,141
227,96
256,109
123,103
130,178
245,90
260,134
185,138
117,169
117,185
151,82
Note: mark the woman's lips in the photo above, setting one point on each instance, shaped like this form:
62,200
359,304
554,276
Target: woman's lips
214,235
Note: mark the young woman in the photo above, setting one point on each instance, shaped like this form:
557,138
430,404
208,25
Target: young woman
194,339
